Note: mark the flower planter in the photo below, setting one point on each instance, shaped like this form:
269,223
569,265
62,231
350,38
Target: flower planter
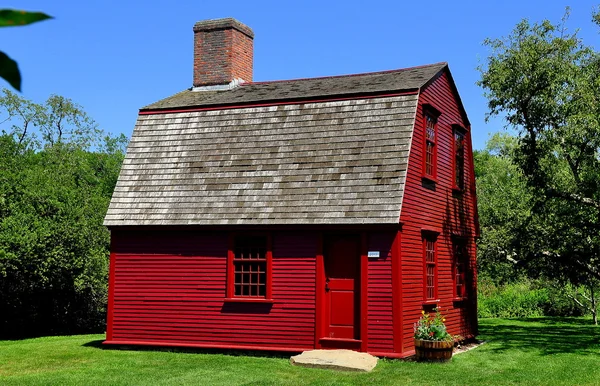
433,351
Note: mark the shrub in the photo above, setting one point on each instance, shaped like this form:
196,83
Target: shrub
526,298
511,300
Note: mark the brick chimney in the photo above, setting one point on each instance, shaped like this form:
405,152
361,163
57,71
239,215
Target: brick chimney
223,52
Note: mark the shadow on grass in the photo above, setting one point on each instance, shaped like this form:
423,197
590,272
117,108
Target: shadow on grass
548,335
186,350
94,343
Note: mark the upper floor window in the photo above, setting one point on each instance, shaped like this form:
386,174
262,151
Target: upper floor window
430,146
249,264
430,119
459,159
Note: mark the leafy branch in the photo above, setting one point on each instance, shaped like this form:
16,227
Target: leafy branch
9,70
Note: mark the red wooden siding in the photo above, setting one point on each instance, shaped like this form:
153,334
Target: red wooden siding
380,325
170,289
439,210
294,273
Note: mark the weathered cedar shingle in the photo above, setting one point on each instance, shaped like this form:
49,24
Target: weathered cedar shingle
336,162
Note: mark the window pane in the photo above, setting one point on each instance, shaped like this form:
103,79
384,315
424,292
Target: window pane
430,128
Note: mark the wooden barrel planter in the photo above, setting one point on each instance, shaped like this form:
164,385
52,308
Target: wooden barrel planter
433,351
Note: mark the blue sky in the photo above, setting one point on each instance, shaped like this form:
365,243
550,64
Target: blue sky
113,57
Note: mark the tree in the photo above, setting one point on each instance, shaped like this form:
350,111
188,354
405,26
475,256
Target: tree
57,174
9,70
546,83
504,205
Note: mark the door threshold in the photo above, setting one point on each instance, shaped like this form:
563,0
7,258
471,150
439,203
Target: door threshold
345,340
341,343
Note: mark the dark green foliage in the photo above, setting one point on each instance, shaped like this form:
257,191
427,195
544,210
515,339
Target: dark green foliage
9,70
504,205
15,18
53,247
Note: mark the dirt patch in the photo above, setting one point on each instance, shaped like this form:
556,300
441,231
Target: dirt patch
467,346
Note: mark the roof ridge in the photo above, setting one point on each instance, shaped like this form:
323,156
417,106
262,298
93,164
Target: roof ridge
345,76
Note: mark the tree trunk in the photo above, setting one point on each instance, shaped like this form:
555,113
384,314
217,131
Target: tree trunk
594,308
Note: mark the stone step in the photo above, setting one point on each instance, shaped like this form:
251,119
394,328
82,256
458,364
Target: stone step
343,360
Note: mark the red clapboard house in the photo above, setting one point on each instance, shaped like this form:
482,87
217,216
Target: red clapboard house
293,215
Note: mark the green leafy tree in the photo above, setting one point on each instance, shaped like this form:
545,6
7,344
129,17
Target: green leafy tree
546,83
57,174
504,206
9,70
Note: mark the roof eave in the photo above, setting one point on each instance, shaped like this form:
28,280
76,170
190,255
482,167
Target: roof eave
289,101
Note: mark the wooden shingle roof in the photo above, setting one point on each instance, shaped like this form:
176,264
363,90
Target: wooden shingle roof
361,84
338,161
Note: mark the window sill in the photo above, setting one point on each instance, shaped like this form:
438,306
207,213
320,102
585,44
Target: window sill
248,300
432,302
431,229
428,178
459,299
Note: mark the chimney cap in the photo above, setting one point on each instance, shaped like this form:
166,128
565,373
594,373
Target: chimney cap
229,22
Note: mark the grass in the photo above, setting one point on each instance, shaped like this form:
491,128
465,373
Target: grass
537,351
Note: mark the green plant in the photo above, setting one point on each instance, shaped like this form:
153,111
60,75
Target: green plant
432,327
9,70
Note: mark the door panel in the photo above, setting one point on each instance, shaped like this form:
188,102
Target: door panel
341,260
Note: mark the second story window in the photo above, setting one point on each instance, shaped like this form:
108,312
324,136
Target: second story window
459,159
430,145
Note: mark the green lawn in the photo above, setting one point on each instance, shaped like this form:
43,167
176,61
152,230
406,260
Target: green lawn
540,351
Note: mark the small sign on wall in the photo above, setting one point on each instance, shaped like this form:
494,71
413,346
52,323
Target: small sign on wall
373,254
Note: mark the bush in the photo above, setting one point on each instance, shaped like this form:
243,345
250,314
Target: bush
515,300
560,304
524,299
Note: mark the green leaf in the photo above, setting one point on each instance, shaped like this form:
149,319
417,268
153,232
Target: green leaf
9,71
15,18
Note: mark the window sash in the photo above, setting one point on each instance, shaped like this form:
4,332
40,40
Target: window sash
430,269
460,262
430,285
429,158
430,145
459,160
250,266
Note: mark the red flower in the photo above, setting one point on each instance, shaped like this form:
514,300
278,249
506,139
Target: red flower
431,333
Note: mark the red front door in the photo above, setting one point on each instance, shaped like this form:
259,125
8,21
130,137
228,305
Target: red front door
341,260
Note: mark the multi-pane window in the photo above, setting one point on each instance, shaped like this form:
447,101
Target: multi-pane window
459,160
460,264
250,267
430,148
430,268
